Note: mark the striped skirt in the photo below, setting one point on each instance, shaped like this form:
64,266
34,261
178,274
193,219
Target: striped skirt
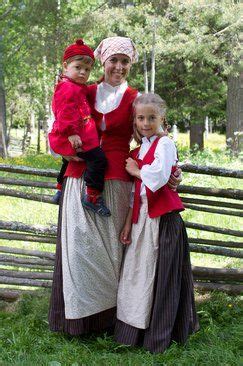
173,316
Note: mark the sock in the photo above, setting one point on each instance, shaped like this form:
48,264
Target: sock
92,194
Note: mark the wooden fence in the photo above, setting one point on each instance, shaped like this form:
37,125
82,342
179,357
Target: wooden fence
31,269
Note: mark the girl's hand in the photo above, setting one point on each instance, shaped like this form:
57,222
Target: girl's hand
125,235
132,167
75,141
175,179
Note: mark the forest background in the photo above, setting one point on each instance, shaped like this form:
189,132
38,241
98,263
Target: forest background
189,54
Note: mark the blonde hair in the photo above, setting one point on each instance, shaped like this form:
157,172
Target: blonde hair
155,100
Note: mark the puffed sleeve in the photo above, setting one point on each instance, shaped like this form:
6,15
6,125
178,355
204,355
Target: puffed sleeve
157,174
67,104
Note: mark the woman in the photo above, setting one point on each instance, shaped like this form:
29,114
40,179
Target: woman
88,255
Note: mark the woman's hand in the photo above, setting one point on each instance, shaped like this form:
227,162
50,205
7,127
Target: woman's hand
75,141
175,179
125,237
132,168
72,158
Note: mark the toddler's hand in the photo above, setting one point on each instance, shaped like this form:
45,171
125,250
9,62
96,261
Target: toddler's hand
125,235
75,141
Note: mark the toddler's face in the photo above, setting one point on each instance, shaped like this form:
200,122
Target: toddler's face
147,119
77,70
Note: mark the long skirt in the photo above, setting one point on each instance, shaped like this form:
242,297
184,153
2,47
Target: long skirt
88,260
173,315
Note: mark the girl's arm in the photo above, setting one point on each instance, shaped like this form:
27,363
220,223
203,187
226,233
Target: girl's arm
157,174
126,231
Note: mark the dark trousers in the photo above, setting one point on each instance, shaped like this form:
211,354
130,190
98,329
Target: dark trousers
95,171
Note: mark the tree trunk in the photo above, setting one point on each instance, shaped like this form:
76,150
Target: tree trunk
153,59
196,136
145,70
3,127
234,127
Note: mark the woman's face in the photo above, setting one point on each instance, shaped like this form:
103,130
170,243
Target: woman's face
116,69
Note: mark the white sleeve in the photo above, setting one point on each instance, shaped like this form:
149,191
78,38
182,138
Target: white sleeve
157,174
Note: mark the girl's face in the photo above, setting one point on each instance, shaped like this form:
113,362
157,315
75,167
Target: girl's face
116,69
77,70
147,119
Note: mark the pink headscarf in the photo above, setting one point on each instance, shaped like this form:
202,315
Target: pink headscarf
113,45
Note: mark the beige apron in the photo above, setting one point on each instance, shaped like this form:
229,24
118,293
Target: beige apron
135,292
91,251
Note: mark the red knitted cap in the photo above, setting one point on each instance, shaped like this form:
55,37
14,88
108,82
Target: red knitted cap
78,48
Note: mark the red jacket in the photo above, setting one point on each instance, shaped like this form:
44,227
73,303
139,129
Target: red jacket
72,117
115,139
161,201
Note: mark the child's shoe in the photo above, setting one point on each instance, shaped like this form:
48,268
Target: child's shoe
98,206
56,197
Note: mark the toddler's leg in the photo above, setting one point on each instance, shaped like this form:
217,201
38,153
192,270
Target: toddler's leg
94,179
60,178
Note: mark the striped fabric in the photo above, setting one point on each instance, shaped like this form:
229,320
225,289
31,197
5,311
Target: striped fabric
57,322
173,315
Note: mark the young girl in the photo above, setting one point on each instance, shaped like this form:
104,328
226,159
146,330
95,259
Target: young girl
74,131
155,302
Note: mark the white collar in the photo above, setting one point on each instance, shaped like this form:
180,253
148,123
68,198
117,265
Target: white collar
113,89
150,140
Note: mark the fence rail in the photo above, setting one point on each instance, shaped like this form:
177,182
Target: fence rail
30,268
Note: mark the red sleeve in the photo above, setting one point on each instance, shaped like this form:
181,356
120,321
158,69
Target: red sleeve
67,110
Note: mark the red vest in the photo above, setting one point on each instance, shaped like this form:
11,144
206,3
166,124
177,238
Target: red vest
161,201
115,139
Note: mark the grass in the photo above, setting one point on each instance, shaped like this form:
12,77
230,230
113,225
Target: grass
25,338
28,342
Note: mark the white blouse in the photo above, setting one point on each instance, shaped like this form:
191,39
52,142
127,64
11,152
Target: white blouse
108,98
157,174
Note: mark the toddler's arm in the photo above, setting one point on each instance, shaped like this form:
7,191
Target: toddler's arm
126,231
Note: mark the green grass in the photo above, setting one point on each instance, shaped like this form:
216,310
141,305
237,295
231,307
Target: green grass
26,340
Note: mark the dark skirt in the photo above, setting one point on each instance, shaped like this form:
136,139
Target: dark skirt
57,322
173,315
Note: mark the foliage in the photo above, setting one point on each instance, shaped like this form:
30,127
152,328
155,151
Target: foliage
196,44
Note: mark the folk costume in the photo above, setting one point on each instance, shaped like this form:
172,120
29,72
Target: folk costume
73,117
155,302
88,256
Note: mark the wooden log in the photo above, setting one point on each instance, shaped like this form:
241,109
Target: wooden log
18,260
27,196
27,238
226,274
217,251
28,266
28,170
236,194
228,288
210,170
220,243
213,210
185,167
33,253
26,274
24,282
10,294
213,229
36,229
27,183
212,203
